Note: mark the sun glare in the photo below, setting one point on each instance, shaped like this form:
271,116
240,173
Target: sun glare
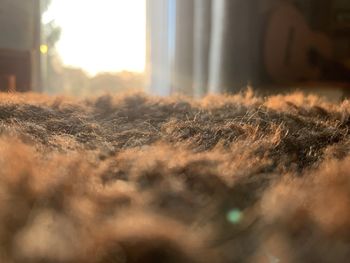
101,35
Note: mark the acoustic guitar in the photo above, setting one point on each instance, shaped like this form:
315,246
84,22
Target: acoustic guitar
289,44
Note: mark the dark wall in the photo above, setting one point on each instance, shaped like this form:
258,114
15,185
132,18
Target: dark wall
16,65
19,44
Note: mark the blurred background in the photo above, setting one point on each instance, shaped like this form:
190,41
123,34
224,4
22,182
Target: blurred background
72,47
192,47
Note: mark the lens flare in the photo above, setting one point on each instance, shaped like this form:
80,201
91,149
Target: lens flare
44,49
234,216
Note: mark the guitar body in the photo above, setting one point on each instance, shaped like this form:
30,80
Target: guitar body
288,40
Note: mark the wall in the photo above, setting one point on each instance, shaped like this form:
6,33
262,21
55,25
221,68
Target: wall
17,24
20,41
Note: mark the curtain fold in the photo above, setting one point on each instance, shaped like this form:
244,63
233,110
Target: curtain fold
217,46
202,41
234,45
182,73
216,49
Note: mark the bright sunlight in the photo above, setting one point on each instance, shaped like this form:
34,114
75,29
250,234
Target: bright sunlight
101,35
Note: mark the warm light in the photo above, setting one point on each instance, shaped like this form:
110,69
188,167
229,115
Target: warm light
44,49
101,35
